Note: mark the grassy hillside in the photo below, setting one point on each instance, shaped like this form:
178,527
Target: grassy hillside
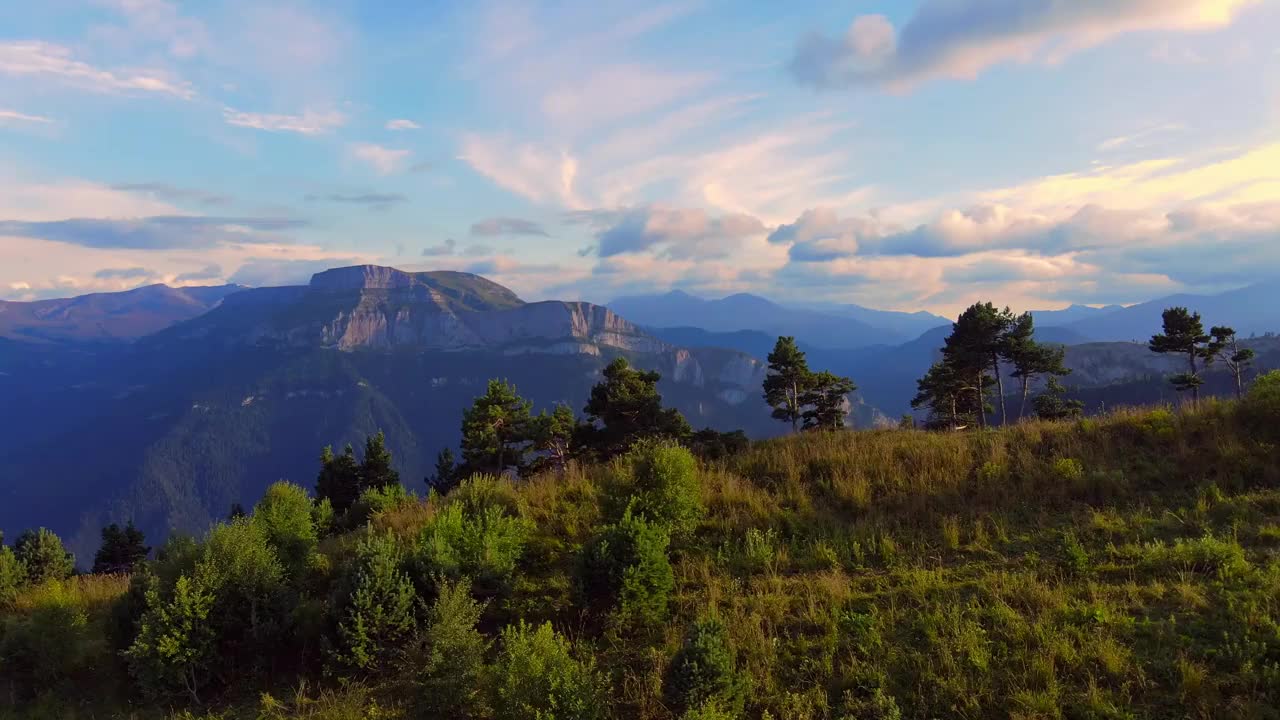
1126,566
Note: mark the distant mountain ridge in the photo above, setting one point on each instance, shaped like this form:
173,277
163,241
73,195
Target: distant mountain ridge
848,326
108,317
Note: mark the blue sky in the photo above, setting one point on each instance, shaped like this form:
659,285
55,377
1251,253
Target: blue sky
907,155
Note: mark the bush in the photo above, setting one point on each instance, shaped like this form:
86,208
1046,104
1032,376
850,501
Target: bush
474,535
285,516
664,486
376,616
536,676
175,649
12,575
627,566
452,675
376,501
51,641
42,556
705,671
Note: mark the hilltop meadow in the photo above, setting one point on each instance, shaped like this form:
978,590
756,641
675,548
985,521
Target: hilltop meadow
1126,566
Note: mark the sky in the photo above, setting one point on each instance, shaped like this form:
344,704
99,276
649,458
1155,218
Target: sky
896,154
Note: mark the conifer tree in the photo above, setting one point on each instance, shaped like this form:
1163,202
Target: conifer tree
1237,359
625,407
1052,404
1184,335
339,479
826,401
121,549
978,343
446,475
42,556
787,381
376,471
1031,359
495,430
552,436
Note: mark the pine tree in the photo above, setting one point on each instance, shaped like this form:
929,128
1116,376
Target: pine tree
1031,359
121,550
377,614
376,471
788,379
1052,404
495,430
446,476
951,394
1237,359
553,437
625,407
826,401
42,556
978,343
1184,334
339,479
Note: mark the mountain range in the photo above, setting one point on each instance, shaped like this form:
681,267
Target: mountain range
166,405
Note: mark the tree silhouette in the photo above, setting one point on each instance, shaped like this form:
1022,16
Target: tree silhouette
1184,334
1236,358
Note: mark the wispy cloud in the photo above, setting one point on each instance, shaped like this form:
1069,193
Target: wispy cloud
137,274
382,159
374,201
1140,138
444,249
309,122
183,231
959,39
54,62
13,116
211,271
507,226
402,124
174,193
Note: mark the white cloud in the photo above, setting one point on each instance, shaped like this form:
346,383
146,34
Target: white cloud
535,172
959,39
154,21
46,60
310,122
402,124
13,116
383,160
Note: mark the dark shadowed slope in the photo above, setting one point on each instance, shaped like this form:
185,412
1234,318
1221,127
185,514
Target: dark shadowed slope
108,317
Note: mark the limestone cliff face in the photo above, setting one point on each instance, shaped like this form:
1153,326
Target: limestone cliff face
372,308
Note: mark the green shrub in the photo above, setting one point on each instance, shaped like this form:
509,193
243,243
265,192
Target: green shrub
42,556
49,643
705,671
376,614
285,515
452,676
12,575
472,538
376,501
627,566
663,486
482,491
175,650
1068,470
537,677
875,705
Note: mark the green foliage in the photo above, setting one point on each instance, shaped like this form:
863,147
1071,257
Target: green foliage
786,382
980,339
1052,404
826,401
451,678
1184,335
710,444
627,567
376,471
496,430
484,543
176,644
663,487
12,575
705,671
42,556
447,474
376,613
536,677
625,408
285,516
376,501
121,550
51,643
339,478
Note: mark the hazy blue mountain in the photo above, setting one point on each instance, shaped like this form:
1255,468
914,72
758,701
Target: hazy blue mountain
751,312
1073,313
108,317
171,429
907,324
1250,310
